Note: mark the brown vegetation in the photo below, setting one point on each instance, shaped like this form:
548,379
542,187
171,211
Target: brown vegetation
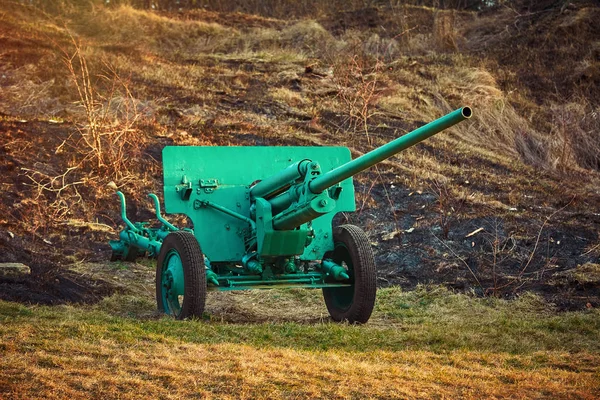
503,204
90,94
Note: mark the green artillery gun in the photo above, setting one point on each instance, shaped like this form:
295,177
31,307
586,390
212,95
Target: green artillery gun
262,218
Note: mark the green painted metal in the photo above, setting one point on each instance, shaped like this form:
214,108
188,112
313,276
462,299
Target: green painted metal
272,243
124,212
222,237
341,256
273,185
386,151
333,269
262,215
137,239
211,277
206,203
173,283
159,217
307,280
279,285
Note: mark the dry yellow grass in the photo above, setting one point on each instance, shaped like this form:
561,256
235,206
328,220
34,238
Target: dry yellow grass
35,364
412,348
425,344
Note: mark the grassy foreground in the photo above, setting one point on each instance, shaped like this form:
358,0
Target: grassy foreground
424,344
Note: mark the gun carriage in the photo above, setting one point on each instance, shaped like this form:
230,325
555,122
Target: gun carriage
262,218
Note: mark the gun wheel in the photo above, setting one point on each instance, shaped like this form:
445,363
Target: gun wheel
180,277
352,303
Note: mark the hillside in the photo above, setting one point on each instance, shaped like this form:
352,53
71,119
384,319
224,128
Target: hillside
524,170
486,236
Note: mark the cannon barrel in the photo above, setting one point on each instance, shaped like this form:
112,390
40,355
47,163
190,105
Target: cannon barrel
277,183
313,206
365,161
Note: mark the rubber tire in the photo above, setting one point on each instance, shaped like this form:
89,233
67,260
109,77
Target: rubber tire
363,276
194,275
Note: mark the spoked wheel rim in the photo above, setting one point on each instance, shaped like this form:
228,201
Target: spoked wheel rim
344,295
173,283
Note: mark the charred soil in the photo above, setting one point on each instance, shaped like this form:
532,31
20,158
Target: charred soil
456,211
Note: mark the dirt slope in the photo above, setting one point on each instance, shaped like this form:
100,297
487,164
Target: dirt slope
523,169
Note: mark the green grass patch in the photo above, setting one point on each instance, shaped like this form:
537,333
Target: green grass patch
431,319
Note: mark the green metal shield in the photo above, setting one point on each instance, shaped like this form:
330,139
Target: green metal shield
223,175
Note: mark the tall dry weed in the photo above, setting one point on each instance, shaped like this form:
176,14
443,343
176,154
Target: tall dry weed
444,35
108,142
359,89
128,26
575,138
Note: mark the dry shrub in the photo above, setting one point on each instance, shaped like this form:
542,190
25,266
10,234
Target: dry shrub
284,9
308,36
304,38
54,198
496,124
444,35
576,136
106,146
129,26
532,147
62,7
288,97
25,97
384,49
359,88
573,141
108,142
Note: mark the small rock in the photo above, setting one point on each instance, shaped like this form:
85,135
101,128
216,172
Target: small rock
475,232
14,269
390,235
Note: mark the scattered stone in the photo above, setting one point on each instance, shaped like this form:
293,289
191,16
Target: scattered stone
14,270
390,235
396,233
475,232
